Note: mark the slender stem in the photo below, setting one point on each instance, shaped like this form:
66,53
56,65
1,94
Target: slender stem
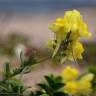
22,73
39,61
42,60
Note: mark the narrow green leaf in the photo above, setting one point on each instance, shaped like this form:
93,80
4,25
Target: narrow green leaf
7,71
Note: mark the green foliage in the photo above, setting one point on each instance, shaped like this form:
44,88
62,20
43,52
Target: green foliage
51,87
9,83
11,86
92,69
6,73
25,66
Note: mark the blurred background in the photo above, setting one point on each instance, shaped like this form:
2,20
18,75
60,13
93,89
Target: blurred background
26,22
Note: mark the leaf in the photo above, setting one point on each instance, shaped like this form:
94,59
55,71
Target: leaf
50,80
59,79
57,86
60,94
7,71
44,95
47,89
92,69
54,82
37,93
52,86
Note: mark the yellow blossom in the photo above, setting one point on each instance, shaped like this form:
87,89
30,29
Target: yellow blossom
78,50
59,22
85,85
72,18
76,24
68,30
71,87
88,77
74,50
69,73
73,22
78,87
75,84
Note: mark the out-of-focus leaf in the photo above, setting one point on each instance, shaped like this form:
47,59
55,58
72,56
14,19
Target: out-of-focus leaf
7,71
52,86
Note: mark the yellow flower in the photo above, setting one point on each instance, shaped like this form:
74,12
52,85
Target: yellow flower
59,22
73,85
78,87
78,50
73,22
76,24
83,30
71,88
68,31
72,18
76,84
88,77
69,73
74,50
85,85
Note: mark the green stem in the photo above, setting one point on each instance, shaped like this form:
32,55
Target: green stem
42,60
20,70
3,88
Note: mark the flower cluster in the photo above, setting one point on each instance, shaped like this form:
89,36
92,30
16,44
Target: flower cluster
76,84
68,31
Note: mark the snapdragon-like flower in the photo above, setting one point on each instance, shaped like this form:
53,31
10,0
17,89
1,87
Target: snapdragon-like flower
76,84
67,33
